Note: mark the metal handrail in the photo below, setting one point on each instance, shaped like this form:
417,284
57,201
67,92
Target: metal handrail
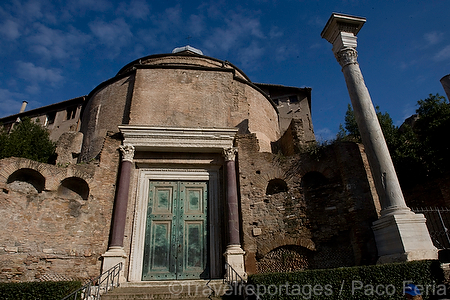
235,281
98,286
438,224
231,276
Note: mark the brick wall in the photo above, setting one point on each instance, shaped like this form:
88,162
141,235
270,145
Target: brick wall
55,234
320,216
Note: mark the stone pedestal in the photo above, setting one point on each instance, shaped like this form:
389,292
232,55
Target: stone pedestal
403,237
112,257
234,256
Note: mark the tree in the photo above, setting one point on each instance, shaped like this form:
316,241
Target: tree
27,139
419,150
350,124
406,157
351,131
432,129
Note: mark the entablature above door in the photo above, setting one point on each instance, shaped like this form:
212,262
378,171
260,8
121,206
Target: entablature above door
174,139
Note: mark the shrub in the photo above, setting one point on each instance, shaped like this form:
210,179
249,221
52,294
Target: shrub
27,139
365,282
48,290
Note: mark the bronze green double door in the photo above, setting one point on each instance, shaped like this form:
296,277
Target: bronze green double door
176,231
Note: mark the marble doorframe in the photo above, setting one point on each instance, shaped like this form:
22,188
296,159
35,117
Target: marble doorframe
146,174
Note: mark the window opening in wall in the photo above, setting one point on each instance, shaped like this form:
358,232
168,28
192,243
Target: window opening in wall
8,127
293,99
276,186
71,112
50,118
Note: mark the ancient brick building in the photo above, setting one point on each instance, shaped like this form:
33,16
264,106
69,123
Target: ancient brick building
176,166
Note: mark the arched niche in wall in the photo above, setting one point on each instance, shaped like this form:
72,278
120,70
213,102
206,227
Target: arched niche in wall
26,180
276,186
73,188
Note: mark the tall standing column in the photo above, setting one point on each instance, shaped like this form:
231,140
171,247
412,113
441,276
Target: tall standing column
116,252
234,254
400,234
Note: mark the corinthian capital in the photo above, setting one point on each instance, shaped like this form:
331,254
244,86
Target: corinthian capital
230,153
346,56
127,152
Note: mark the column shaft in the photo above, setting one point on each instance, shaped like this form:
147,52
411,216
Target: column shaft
232,204
116,253
234,255
120,206
385,177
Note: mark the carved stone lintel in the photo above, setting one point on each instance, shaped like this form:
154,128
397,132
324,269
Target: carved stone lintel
230,153
347,56
127,152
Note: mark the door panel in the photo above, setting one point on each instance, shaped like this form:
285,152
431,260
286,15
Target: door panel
160,239
159,247
176,232
193,250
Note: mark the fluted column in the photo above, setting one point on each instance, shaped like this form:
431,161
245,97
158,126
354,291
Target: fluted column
116,252
399,233
234,254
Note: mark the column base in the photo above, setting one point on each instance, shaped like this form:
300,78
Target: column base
112,257
403,237
234,256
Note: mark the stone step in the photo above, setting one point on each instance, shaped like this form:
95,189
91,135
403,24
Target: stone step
193,290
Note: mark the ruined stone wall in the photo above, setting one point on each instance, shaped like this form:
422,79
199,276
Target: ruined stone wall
298,110
305,210
63,122
56,220
293,139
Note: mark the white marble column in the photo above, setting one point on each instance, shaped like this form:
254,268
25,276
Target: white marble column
400,234
234,255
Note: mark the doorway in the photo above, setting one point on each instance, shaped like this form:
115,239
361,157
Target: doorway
176,232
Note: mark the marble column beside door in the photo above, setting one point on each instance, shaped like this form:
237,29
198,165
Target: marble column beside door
116,252
234,255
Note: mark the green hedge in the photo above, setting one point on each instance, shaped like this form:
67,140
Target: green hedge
384,281
48,290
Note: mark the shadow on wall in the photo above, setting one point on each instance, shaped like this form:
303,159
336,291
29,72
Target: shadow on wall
26,180
31,181
328,221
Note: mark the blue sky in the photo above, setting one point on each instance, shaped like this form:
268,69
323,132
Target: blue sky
52,51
